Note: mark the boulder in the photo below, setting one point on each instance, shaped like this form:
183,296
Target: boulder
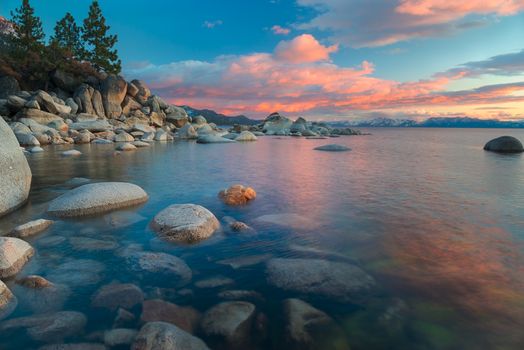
184,317
166,336
97,198
123,137
113,296
41,117
132,89
307,328
38,295
27,139
16,103
77,272
333,148
187,132
14,254
31,228
162,267
298,125
8,301
83,97
8,86
185,223
237,195
229,323
504,144
71,103
32,104
275,124
334,280
120,337
14,171
98,105
143,91
140,144
199,120
65,80
213,139
47,327
93,126
47,103
246,136
130,105
113,91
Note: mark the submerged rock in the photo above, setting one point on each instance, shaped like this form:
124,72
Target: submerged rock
92,244
31,228
230,323
504,144
113,296
47,327
126,147
338,281
120,337
166,336
39,295
14,171
72,153
164,267
8,301
97,198
79,272
308,328
14,253
290,220
214,282
74,346
240,294
213,139
333,148
237,195
157,310
185,223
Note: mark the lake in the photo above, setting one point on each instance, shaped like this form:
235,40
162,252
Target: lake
437,222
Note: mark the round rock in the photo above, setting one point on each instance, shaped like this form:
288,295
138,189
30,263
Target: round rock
185,223
92,199
166,336
504,144
333,148
14,253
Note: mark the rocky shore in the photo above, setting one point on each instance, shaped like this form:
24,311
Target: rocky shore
113,110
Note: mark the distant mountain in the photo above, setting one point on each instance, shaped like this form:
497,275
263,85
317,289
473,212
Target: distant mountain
220,119
441,122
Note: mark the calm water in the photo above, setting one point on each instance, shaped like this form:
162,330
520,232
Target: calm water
438,222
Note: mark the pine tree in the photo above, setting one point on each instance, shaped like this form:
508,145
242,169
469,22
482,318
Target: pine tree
67,36
29,33
99,44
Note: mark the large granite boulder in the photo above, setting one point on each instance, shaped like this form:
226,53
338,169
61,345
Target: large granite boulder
8,86
97,198
275,124
14,253
307,328
333,280
113,90
14,171
185,223
166,336
504,144
229,323
83,97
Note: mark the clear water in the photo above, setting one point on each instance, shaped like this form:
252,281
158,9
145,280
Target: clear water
438,222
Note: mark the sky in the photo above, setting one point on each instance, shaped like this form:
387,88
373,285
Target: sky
324,60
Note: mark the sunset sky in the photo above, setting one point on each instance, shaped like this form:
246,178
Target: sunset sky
331,59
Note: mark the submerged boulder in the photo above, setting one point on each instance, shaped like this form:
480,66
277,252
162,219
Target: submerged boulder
333,148
185,223
162,267
113,296
208,138
14,253
237,195
504,144
31,228
15,173
97,198
334,280
157,310
166,336
8,301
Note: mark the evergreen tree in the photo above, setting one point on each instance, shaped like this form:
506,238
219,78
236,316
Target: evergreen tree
29,33
67,36
99,44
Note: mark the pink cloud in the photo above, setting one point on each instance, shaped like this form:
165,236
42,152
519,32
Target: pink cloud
280,30
302,49
379,23
260,83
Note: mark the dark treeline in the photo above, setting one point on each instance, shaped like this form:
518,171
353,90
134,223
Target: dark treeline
82,50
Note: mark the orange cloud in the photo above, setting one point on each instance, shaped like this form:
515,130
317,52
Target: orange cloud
280,30
302,49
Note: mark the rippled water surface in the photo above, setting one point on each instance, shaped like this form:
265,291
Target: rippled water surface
437,222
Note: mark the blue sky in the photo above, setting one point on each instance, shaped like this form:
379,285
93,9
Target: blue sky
175,43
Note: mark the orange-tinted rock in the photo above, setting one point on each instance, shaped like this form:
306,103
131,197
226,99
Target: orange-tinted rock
184,317
237,195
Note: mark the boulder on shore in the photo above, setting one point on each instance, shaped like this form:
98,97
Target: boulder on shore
14,171
504,144
185,223
14,253
97,198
